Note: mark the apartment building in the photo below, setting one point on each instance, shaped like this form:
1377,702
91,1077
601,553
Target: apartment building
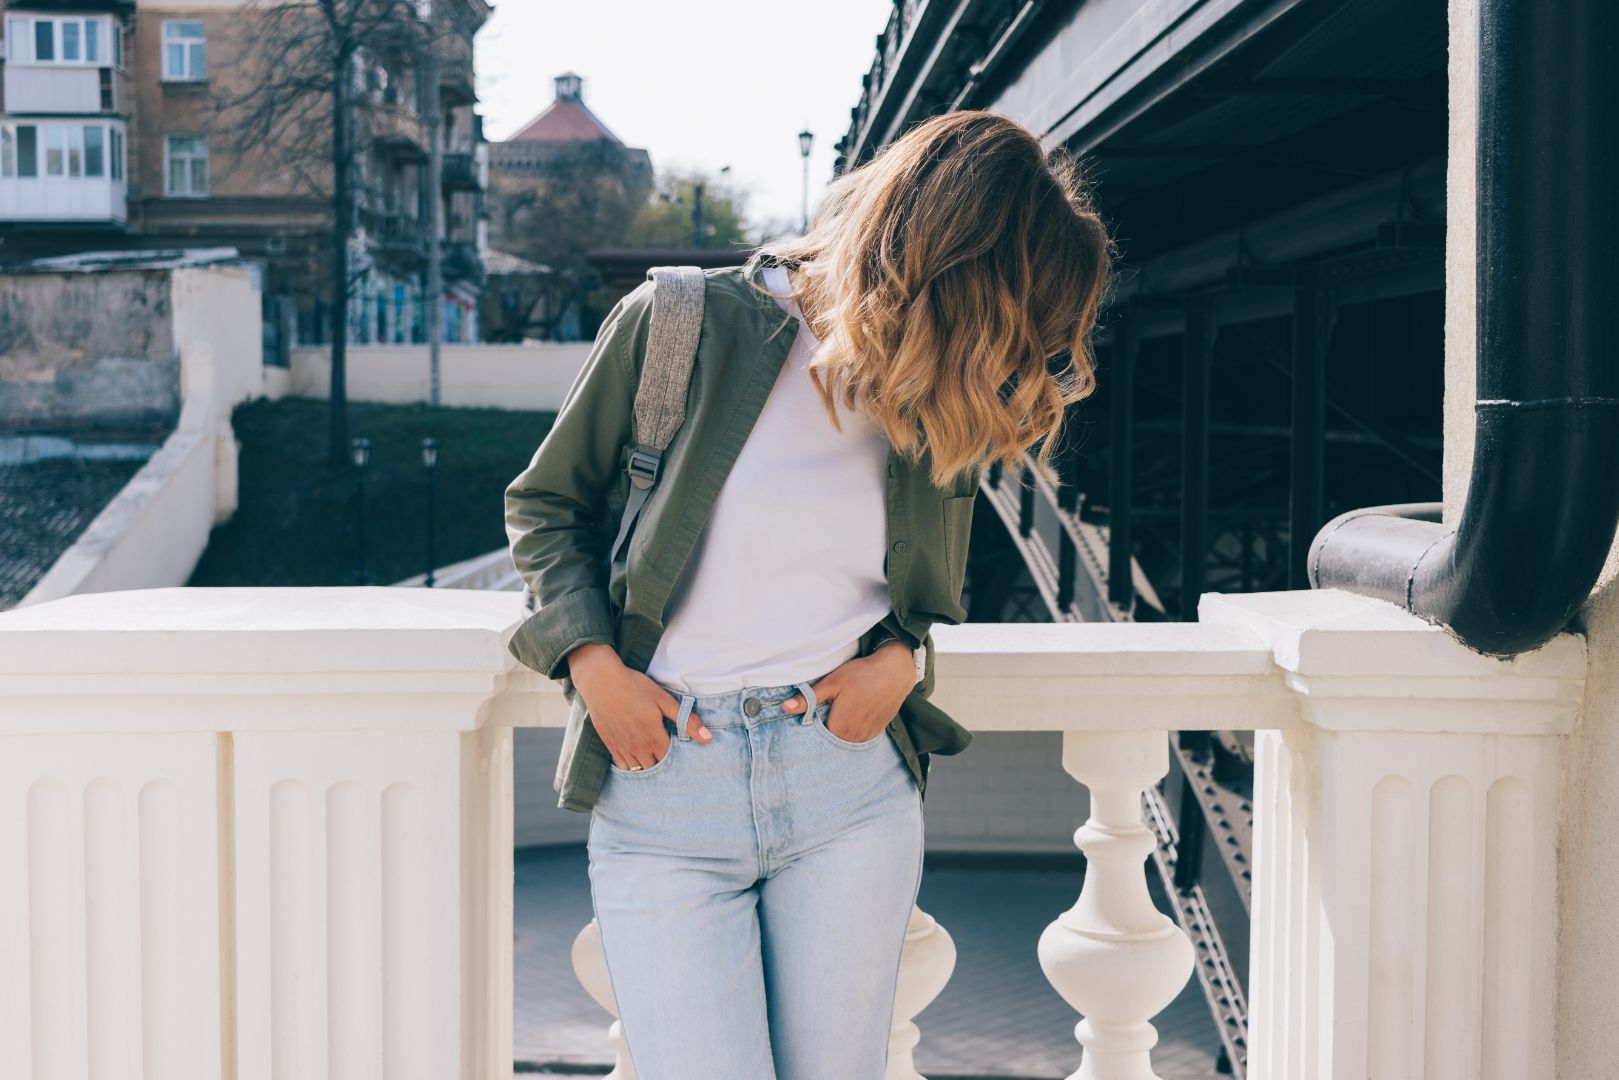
115,133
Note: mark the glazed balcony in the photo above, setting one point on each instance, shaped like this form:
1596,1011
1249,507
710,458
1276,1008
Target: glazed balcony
66,90
69,172
93,200
273,828
73,7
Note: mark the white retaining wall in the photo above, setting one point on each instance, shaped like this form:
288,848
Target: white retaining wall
153,531
518,377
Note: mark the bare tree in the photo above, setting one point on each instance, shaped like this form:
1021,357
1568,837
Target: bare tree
567,202
302,95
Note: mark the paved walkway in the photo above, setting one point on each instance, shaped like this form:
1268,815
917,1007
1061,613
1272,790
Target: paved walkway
44,507
997,1020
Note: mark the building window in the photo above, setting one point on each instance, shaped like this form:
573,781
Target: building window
64,149
78,40
27,150
94,136
186,165
184,52
72,151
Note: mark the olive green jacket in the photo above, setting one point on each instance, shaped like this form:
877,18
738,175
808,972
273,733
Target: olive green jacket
560,524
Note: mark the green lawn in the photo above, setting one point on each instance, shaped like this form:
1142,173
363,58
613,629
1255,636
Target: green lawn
294,524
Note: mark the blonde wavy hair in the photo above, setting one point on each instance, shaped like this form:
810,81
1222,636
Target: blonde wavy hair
954,281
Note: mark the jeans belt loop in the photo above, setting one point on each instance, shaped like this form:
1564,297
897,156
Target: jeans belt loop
686,702
810,704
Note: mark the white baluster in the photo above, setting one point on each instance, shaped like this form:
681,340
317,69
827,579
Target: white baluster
924,969
590,966
1113,956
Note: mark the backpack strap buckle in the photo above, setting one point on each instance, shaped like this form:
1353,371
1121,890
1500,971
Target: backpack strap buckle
643,466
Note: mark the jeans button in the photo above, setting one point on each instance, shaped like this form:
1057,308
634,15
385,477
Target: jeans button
751,706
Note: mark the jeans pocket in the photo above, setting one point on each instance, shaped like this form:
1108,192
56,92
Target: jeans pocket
822,711
655,767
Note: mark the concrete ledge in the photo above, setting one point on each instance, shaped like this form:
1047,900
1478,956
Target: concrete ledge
519,377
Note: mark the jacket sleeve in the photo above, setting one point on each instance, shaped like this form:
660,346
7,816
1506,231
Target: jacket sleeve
554,507
891,629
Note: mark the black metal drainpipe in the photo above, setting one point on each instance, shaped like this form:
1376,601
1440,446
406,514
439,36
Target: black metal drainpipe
1544,497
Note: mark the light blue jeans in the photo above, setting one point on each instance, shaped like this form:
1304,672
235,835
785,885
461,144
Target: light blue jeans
753,894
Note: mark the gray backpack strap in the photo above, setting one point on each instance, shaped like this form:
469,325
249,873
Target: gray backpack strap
660,399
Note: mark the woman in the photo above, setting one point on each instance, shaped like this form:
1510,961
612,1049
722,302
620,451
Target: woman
750,727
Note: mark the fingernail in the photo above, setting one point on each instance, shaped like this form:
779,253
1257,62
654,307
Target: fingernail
792,703
703,731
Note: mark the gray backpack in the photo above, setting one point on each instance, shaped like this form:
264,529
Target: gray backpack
660,398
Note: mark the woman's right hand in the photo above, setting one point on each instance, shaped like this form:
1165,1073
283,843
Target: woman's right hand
627,707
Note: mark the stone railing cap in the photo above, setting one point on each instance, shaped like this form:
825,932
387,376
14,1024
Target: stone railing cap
1331,632
357,628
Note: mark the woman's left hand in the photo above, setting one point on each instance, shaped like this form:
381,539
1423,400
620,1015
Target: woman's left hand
867,692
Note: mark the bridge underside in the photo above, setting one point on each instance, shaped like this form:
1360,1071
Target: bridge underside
1274,174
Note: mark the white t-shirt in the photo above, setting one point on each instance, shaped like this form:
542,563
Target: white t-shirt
788,572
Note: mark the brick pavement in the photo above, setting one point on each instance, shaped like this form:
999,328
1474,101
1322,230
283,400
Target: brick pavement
44,507
997,1020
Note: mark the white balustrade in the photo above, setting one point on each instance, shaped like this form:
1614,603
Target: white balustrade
267,833
261,833
1404,914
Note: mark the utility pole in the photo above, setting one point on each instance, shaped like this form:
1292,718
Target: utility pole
435,206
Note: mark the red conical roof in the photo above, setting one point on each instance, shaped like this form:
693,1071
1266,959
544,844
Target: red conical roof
567,119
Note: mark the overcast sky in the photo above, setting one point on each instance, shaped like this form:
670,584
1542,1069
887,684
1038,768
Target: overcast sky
723,82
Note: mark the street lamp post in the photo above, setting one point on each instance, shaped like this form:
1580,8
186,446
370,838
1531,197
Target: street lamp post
697,215
806,140
361,451
430,464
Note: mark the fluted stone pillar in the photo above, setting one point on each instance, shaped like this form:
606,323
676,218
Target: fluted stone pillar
1404,903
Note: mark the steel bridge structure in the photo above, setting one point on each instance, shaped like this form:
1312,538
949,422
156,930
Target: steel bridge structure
1273,172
